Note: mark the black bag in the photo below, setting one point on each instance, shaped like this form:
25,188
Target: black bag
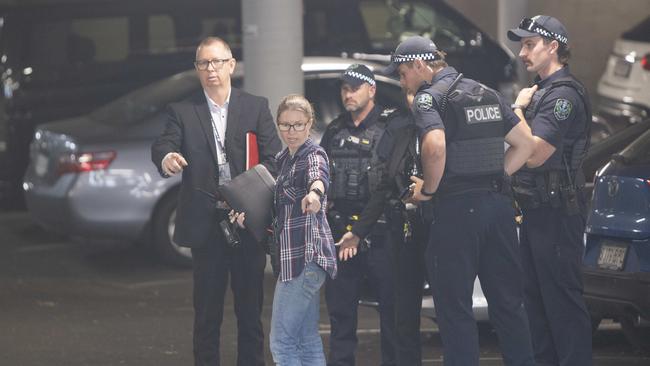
252,192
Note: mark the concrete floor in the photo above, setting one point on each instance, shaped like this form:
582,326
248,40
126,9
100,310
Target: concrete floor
74,303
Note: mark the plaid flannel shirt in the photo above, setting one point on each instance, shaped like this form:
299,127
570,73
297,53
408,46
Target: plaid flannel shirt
304,238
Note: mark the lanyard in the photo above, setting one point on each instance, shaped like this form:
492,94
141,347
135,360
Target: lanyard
222,148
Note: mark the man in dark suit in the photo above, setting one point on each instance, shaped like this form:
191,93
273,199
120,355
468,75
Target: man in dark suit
205,140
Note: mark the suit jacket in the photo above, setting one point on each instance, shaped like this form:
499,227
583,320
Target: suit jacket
189,132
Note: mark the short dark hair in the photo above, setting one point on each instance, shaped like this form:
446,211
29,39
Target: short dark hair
563,51
210,40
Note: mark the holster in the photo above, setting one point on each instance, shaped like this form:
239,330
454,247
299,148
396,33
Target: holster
550,189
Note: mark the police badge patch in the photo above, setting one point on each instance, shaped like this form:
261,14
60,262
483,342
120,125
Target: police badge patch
562,109
424,102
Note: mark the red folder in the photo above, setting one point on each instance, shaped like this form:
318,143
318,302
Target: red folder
252,150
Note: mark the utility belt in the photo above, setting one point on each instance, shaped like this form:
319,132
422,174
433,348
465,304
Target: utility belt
496,184
341,223
548,189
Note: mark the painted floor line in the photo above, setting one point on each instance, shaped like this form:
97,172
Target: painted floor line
42,247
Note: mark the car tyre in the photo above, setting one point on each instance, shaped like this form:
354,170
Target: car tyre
638,336
163,231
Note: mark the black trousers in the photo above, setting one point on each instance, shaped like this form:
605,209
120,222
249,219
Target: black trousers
474,234
213,265
342,297
552,249
408,283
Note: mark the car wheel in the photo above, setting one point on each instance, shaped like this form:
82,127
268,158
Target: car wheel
638,336
163,234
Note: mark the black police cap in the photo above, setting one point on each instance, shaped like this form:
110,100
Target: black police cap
540,25
357,74
413,48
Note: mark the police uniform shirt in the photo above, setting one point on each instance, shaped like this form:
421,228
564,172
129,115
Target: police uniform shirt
560,108
399,127
345,119
426,104
397,120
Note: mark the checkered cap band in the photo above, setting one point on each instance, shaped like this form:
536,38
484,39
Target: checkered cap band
548,34
398,59
360,76
531,25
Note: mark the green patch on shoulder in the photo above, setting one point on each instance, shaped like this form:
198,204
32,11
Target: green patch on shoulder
562,109
424,102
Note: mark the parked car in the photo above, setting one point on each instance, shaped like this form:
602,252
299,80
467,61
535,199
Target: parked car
624,88
58,61
602,149
92,175
617,257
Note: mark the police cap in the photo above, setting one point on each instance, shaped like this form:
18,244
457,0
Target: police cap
540,25
413,48
357,74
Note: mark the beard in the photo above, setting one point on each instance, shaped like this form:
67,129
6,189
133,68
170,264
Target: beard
354,107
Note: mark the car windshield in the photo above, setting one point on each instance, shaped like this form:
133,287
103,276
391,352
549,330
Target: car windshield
640,32
388,24
638,152
146,101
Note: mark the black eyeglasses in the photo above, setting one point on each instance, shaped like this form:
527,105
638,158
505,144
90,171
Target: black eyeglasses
298,127
217,63
530,25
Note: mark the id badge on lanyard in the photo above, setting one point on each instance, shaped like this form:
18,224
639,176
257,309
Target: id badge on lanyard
224,172
224,167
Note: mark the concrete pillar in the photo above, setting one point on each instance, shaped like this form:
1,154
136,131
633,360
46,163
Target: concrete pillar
509,14
272,48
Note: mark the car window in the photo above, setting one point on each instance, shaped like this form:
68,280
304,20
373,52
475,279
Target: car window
146,101
638,152
324,94
388,24
321,90
640,32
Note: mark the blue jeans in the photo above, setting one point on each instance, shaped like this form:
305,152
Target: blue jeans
294,323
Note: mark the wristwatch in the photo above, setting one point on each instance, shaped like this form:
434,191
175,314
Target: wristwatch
317,191
427,194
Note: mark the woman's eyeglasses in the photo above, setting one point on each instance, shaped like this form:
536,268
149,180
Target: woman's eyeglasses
298,127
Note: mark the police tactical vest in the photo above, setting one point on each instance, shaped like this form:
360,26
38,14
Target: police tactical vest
355,167
475,143
573,150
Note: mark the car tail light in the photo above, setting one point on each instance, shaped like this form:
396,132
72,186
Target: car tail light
645,62
86,161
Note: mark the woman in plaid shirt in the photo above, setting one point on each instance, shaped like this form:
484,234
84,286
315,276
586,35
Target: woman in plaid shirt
307,252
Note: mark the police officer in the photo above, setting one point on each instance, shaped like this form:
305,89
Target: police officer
463,126
399,149
548,190
351,143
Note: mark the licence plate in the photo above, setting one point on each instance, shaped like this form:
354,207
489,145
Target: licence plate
622,68
40,165
612,256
